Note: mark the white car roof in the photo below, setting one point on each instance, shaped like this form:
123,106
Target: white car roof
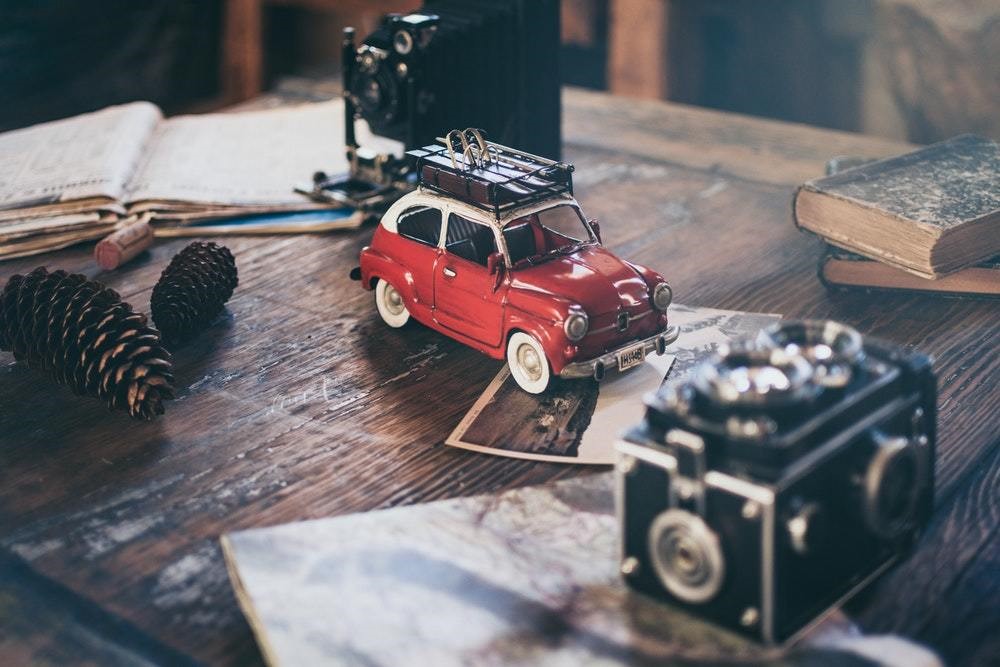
426,197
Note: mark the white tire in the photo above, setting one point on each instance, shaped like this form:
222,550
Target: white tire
390,305
528,364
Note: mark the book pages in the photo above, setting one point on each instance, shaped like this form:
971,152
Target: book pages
39,243
49,225
88,156
248,158
87,205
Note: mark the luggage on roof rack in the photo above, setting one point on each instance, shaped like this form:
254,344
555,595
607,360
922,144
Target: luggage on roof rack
487,175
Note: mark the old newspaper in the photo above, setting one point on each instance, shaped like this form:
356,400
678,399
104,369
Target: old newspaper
77,179
91,156
239,159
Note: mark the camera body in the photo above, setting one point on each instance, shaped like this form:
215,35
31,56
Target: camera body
784,476
492,64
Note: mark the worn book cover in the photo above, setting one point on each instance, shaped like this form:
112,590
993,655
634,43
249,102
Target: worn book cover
930,212
841,268
526,577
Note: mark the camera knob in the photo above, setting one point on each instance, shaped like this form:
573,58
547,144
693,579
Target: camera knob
803,528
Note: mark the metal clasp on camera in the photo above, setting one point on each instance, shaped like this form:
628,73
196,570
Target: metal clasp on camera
687,486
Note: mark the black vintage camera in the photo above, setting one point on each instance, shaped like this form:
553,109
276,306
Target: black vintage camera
490,64
787,474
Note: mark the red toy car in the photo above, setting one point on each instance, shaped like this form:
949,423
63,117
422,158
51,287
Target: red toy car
493,250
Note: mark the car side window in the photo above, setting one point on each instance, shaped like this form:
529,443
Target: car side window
420,223
469,240
521,242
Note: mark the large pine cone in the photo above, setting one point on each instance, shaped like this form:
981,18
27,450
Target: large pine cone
85,336
192,290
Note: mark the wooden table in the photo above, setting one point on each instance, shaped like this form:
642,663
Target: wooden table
301,403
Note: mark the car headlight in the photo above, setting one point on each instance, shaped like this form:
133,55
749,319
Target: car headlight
576,325
662,296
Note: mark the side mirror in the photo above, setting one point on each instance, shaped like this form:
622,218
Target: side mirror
494,263
596,226
495,266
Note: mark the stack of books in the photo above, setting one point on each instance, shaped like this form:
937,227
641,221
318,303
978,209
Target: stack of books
927,220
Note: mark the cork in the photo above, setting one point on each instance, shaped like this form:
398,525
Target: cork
124,244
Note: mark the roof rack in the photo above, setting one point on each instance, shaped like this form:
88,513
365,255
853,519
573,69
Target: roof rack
487,175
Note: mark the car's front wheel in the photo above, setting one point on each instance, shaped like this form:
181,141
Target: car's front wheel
390,305
528,363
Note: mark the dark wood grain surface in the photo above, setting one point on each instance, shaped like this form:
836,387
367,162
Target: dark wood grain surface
299,403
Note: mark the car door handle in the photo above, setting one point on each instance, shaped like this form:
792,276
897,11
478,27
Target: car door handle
449,272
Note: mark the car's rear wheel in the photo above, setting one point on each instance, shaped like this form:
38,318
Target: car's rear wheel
390,305
528,364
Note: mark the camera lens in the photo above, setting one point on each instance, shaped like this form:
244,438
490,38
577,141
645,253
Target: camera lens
686,556
832,348
892,486
402,41
751,376
374,88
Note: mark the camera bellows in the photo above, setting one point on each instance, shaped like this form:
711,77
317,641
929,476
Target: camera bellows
192,290
86,337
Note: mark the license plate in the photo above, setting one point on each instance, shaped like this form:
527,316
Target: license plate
630,357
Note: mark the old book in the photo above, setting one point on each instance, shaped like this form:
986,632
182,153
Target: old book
525,577
930,212
72,180
842,268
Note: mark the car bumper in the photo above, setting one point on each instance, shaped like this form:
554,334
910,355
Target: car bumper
597,366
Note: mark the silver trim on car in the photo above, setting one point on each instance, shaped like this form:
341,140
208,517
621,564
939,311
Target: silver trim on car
597,366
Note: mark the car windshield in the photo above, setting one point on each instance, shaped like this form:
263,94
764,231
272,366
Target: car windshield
546,233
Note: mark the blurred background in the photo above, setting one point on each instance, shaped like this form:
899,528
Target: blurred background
920,70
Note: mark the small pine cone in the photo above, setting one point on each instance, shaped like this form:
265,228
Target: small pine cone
86,337
192,290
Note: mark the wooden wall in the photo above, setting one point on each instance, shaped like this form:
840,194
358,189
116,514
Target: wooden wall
920,70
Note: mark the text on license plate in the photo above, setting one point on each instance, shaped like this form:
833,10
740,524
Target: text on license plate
630,357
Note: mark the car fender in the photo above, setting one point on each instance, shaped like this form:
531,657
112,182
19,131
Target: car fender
649,275
375,265
540,316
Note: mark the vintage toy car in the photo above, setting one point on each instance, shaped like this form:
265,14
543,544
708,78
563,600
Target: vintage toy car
493,250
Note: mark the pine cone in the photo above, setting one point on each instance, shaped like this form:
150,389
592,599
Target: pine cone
85,336
192,290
